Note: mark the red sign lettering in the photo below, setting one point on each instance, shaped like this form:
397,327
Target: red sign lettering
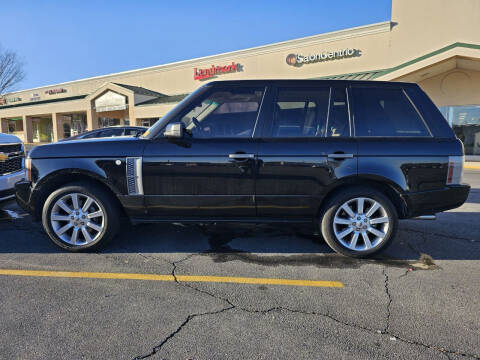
202,74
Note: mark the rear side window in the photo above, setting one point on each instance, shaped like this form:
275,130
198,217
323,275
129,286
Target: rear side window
385,112
300,112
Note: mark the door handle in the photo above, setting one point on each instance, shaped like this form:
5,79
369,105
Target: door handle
241,156
340,156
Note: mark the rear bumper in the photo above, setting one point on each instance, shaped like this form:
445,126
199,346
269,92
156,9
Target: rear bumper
434,201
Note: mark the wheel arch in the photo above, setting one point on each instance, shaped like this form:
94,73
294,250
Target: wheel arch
386,186
59,178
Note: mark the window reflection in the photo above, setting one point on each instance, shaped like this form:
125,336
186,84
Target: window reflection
465,121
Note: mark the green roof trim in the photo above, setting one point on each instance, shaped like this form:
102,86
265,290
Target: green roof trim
373,74
365,75
164,100
40,102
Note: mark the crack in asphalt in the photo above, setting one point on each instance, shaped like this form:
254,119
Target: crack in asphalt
231,306
157,348
389,303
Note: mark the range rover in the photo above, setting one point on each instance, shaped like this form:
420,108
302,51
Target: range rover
351,157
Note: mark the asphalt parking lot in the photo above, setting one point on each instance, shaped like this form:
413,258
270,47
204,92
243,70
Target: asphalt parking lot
225,292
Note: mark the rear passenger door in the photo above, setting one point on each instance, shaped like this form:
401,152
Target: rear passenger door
306,145
394,139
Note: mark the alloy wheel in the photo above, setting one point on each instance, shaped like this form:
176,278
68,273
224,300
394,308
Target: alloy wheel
361,224
77,219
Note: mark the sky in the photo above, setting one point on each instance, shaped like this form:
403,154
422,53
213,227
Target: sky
67,40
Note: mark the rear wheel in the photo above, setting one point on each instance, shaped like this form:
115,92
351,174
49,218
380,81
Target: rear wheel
359,222
80,217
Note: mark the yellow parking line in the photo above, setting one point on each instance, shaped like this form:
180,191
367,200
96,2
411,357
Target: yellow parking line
472,167
185,278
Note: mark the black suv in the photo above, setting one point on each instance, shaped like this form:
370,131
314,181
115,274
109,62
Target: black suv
350,156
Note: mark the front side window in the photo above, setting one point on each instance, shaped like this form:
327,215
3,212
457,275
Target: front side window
385,112
300,112
229,113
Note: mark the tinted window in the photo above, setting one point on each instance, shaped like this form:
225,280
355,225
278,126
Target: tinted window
133,132
338,120
224,114
300,112
385,112
90,135
110,133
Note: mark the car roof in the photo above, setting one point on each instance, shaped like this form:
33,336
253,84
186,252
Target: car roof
310,82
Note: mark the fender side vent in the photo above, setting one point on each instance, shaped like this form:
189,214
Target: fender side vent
134,176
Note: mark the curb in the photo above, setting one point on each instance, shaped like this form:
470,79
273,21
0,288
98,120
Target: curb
472,166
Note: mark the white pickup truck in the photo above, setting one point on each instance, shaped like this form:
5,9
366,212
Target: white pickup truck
12,165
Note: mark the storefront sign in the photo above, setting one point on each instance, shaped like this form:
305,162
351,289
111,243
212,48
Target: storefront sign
4,101
13,99
35,97
202,74
55,91
299,59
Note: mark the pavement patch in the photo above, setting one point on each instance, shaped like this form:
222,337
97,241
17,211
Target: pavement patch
179,278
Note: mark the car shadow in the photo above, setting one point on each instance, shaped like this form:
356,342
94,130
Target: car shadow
416,244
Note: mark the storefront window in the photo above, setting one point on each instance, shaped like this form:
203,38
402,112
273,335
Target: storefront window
147,121
106,122
465,121
15,125
74,124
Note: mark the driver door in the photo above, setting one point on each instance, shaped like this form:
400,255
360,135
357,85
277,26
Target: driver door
210,171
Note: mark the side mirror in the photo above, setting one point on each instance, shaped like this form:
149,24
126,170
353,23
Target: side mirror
174,130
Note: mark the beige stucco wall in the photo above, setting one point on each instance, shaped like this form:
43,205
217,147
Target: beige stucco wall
423,26
455,87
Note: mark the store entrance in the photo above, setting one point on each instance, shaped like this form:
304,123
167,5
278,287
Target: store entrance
42,130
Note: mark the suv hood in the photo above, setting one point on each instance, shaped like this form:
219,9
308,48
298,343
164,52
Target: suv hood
9,139
103,147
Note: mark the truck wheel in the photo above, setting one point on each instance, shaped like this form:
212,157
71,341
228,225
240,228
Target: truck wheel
80,217
359,222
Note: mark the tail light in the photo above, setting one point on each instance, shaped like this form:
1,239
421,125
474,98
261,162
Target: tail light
455,170
28,168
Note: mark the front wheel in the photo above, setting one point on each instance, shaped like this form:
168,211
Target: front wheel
80,217
359,222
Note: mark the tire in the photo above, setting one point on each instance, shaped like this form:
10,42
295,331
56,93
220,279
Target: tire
339,228
95,221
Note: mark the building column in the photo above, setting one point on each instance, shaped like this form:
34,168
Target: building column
131,112
27,129
92,120
57,123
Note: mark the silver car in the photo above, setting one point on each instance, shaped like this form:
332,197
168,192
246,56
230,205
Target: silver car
12,165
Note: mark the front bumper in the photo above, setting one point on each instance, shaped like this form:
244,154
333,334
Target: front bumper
23,192
7,184
434,201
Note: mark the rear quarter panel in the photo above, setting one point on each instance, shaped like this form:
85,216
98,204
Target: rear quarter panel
413,164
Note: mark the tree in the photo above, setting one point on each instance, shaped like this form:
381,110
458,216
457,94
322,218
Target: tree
11,70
